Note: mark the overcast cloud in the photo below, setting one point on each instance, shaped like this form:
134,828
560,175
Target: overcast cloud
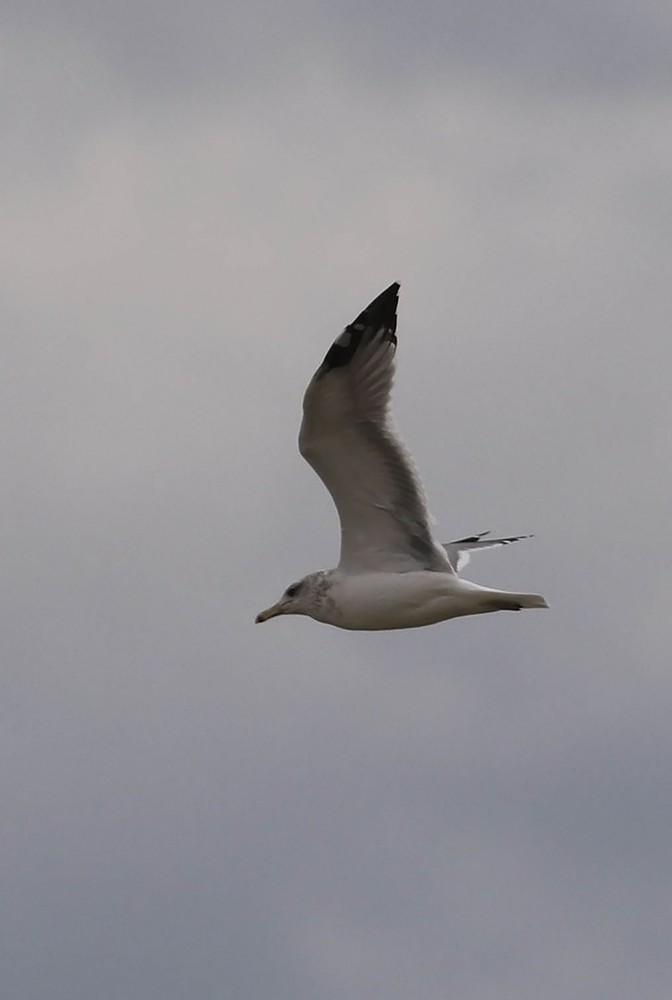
195,201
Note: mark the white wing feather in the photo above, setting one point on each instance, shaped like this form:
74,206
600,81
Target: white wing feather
348,438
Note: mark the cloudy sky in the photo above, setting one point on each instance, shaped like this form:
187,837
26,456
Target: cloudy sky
195,200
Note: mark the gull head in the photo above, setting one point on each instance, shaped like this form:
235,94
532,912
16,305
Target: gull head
304,597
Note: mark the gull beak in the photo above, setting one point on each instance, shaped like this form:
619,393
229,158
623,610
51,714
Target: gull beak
275,609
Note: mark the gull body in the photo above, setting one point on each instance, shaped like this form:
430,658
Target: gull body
392,572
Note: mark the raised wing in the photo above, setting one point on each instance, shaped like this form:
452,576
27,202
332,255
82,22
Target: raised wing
459,552
348,438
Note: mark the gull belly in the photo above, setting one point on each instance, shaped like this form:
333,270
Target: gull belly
375,601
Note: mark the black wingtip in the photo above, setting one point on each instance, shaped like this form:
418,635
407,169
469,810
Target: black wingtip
381,314
382,311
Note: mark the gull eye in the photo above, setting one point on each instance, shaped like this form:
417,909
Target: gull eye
293,590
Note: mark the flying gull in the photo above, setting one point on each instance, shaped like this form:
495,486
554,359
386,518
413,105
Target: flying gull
392,572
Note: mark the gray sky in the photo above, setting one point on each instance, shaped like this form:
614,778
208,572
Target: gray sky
195,200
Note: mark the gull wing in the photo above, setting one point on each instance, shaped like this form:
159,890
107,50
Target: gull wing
459,552
348,438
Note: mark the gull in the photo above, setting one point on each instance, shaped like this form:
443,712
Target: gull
392,572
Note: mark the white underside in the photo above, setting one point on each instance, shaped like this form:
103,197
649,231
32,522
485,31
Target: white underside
374,601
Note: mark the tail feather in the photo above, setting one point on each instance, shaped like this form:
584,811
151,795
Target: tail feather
516,602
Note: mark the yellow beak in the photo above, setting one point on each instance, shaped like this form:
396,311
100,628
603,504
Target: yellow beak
275,609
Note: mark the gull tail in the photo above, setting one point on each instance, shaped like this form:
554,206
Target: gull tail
516,602
487,599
